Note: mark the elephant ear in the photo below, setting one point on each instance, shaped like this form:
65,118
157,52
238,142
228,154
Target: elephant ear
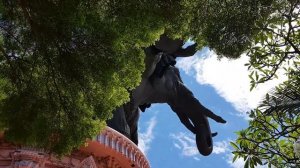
174,47
187,52
168,45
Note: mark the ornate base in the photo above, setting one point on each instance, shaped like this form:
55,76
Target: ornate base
110,150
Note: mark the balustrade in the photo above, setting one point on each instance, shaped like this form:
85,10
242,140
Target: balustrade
109,140
122,144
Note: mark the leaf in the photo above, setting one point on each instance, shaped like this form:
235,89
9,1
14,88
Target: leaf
246,163
256,76
234,158
234,145
252,86
257,160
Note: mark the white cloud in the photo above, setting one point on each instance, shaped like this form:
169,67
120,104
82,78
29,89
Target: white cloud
228,77
239,163
221,147
196,158
177,146
186,143
145,138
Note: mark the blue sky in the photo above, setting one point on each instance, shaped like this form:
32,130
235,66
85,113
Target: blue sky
220,85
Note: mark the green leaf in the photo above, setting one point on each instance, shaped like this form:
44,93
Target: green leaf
234,158
246,163
234,145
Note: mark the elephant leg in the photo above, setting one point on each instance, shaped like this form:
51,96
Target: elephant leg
118,122
132,118
134,135
134,127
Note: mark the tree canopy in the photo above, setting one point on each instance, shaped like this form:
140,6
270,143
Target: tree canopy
275,125
65,65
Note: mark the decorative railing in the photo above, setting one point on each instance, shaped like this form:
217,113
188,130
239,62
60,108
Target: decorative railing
115,140
110,149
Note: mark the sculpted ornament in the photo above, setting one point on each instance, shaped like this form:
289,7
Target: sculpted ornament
161,83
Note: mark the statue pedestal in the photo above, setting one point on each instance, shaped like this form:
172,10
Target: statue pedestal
110,149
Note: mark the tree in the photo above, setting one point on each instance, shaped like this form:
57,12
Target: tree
273,129
66,65
276,45
275,124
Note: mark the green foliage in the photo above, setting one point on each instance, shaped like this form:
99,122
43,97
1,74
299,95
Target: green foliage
273,129
276,45
275,124
65,65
